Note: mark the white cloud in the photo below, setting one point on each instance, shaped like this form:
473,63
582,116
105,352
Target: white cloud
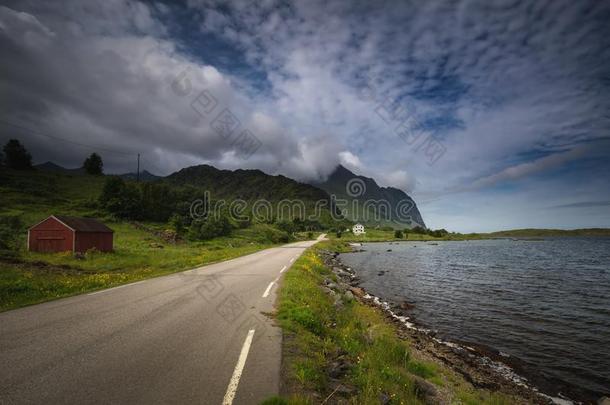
398,179
351,161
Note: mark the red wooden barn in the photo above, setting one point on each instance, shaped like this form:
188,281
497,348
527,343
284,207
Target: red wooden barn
59,233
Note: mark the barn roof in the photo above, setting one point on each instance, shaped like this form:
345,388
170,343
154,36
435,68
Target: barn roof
83,224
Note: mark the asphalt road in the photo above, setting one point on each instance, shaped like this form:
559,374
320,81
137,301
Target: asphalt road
199,336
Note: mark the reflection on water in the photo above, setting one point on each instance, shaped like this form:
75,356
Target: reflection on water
544,302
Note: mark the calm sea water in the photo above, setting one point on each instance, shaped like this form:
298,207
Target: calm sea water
546,303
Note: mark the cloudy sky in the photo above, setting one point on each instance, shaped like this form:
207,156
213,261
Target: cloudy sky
492,115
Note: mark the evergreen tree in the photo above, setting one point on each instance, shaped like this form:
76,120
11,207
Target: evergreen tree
17,156
94,165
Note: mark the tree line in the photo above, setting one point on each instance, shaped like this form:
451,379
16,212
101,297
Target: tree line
418,230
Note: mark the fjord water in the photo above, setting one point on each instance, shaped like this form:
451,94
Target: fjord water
545,303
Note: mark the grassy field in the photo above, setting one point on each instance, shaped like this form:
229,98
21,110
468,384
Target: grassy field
380,365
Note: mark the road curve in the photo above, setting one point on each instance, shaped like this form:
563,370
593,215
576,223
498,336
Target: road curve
198,336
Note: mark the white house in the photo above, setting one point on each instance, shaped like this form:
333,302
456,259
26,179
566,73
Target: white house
358,229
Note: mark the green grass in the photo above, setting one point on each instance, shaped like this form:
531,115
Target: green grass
317,332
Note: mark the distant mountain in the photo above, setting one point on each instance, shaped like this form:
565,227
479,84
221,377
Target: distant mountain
55,168
348,186
246,184
253,185
144,176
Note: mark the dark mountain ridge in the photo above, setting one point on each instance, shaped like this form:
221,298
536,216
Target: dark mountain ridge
55,168
247,184
351,187
287,198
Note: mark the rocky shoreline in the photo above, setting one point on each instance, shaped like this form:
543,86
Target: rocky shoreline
480,366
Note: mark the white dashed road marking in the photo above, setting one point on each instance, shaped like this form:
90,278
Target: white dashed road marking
239,368
268,290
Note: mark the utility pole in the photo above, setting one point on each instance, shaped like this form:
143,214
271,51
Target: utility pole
138,177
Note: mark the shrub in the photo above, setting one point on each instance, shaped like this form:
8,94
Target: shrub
242,223
121,199
176,223
209,228
274,235
10,229
398,234
418,230
286,226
